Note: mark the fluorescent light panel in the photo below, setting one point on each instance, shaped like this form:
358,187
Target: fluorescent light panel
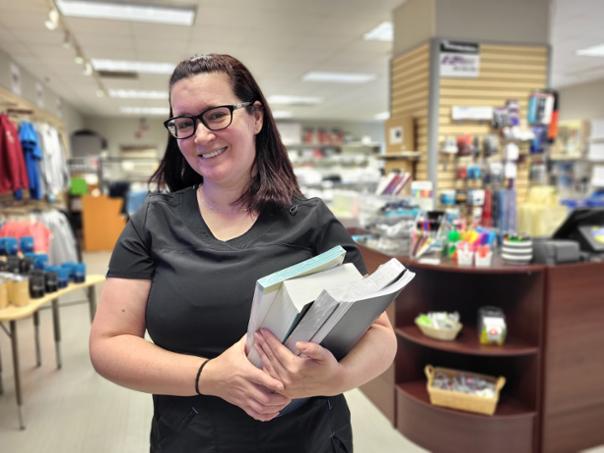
593,51
135,94
294,100
280,114
341,77
160,111
136,13
382,116
132,66
383,32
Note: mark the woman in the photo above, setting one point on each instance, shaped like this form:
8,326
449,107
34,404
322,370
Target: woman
185,267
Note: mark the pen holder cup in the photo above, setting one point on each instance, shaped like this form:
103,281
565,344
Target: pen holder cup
483,261
465,257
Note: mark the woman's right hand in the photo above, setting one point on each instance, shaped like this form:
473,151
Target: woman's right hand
233,378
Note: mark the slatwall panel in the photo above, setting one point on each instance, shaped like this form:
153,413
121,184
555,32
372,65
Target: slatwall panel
506,72
409,91
10,100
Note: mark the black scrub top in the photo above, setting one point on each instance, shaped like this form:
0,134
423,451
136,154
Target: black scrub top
202,288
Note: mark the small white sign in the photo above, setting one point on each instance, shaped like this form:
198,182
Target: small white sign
15,79
396,135
479,113
39,94
459,59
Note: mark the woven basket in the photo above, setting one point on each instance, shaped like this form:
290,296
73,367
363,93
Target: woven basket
440,334
463,401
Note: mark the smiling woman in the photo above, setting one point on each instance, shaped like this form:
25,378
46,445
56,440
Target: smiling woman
185,267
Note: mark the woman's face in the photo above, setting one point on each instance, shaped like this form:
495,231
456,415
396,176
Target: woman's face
223,157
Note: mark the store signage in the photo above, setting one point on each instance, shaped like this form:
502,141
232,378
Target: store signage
459,59
15,79
478,113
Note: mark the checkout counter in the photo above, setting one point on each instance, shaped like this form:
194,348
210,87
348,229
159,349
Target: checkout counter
553,400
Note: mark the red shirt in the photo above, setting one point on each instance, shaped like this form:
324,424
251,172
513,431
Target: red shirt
13,173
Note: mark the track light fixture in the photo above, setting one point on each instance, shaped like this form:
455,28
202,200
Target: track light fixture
53,19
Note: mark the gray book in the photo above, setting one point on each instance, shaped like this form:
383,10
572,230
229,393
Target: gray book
340,316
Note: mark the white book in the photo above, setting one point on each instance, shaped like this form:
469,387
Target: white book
294,298
267,287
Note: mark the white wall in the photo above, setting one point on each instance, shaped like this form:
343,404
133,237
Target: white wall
582,101
129,131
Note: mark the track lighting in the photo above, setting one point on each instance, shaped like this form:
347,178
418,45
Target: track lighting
53,19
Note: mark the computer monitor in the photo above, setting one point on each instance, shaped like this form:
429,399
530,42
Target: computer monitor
586,226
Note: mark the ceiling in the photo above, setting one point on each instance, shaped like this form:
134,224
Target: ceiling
279,40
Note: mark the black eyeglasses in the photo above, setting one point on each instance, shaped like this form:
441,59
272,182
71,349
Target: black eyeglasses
214,118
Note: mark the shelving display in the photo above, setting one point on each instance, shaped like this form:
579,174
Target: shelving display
519,291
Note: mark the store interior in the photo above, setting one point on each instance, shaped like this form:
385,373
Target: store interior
463,137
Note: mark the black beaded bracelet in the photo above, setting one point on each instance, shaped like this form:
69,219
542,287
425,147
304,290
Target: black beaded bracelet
204,363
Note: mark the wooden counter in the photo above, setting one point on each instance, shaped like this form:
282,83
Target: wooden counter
553,400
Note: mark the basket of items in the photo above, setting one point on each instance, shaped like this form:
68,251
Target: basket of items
463,390
439,325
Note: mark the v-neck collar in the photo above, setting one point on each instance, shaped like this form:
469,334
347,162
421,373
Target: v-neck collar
200,226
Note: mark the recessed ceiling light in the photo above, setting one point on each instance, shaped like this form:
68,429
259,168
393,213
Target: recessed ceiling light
136,94
280,114
136,13
160,111
383,32
132,66
342,77
382,116
294,100
593,51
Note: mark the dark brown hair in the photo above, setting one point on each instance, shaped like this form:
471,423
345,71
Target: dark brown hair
273,182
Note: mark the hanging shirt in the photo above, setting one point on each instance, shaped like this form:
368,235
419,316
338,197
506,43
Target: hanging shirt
33,157
13,173
54,166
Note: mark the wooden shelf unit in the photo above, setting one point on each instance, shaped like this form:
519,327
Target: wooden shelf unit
553,399
519,291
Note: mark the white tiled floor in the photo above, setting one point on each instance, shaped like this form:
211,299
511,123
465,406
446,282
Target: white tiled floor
75,410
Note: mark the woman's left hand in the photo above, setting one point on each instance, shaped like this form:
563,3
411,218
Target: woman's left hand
314,372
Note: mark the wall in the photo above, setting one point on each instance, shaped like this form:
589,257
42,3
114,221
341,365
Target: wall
414,23
129,131
509,21
582,101
71,117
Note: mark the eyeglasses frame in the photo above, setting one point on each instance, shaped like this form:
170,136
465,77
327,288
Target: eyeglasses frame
199,118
